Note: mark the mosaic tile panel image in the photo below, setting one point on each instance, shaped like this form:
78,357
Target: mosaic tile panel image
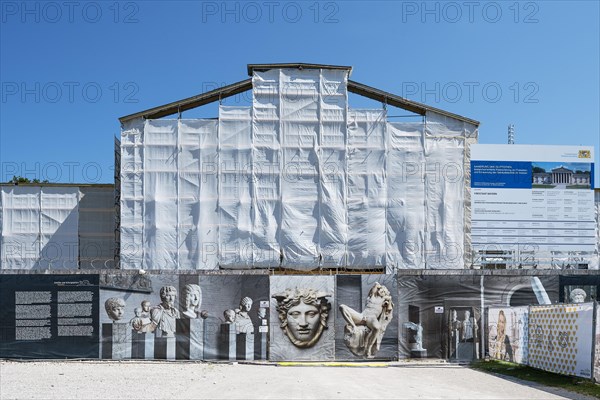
560,338
302,315
366,318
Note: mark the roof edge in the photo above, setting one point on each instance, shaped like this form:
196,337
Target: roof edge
266,67
191,102
58,184
245,85
400,102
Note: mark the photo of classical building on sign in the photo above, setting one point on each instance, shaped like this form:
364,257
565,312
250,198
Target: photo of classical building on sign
554,176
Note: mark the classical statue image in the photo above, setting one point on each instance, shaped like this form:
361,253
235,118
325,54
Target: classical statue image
165,314
455,327
115,308
136,322
141,323
469,328
262,313
418,328
146,322
146,306
577,296
192,294
243,323
303,315
364,330
229,316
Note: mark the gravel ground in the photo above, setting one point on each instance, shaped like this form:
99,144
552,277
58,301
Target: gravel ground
187,380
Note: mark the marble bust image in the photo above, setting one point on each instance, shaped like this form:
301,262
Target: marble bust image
192,294
577,296
165,314
146,306
136,322
229,316
243,321
115,308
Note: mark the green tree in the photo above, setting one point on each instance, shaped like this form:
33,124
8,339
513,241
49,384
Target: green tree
19,179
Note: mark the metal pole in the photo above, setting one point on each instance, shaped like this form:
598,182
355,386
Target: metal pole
482,324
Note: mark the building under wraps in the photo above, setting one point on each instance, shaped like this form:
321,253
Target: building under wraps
300,179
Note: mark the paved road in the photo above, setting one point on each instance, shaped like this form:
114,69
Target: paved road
163,380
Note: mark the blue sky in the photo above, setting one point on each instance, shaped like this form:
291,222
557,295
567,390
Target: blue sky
549,166
69,70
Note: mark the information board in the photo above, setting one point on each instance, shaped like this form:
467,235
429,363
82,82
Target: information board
532,205
49,316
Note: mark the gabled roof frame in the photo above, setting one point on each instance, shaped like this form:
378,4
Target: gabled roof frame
245,85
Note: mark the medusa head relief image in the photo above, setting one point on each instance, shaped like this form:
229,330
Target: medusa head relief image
303,315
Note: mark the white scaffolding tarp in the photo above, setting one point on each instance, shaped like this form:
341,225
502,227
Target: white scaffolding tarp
198,223
406,195
296,180
132,194
367,188
444,196
169,179
235,187
39,227
267,169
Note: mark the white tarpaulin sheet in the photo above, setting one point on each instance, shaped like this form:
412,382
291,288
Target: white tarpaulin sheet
198,222
445,191
406,195
169,216
235,197
39,227
367,188
267,170
296,180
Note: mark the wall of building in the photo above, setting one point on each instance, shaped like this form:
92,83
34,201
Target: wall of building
57,227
